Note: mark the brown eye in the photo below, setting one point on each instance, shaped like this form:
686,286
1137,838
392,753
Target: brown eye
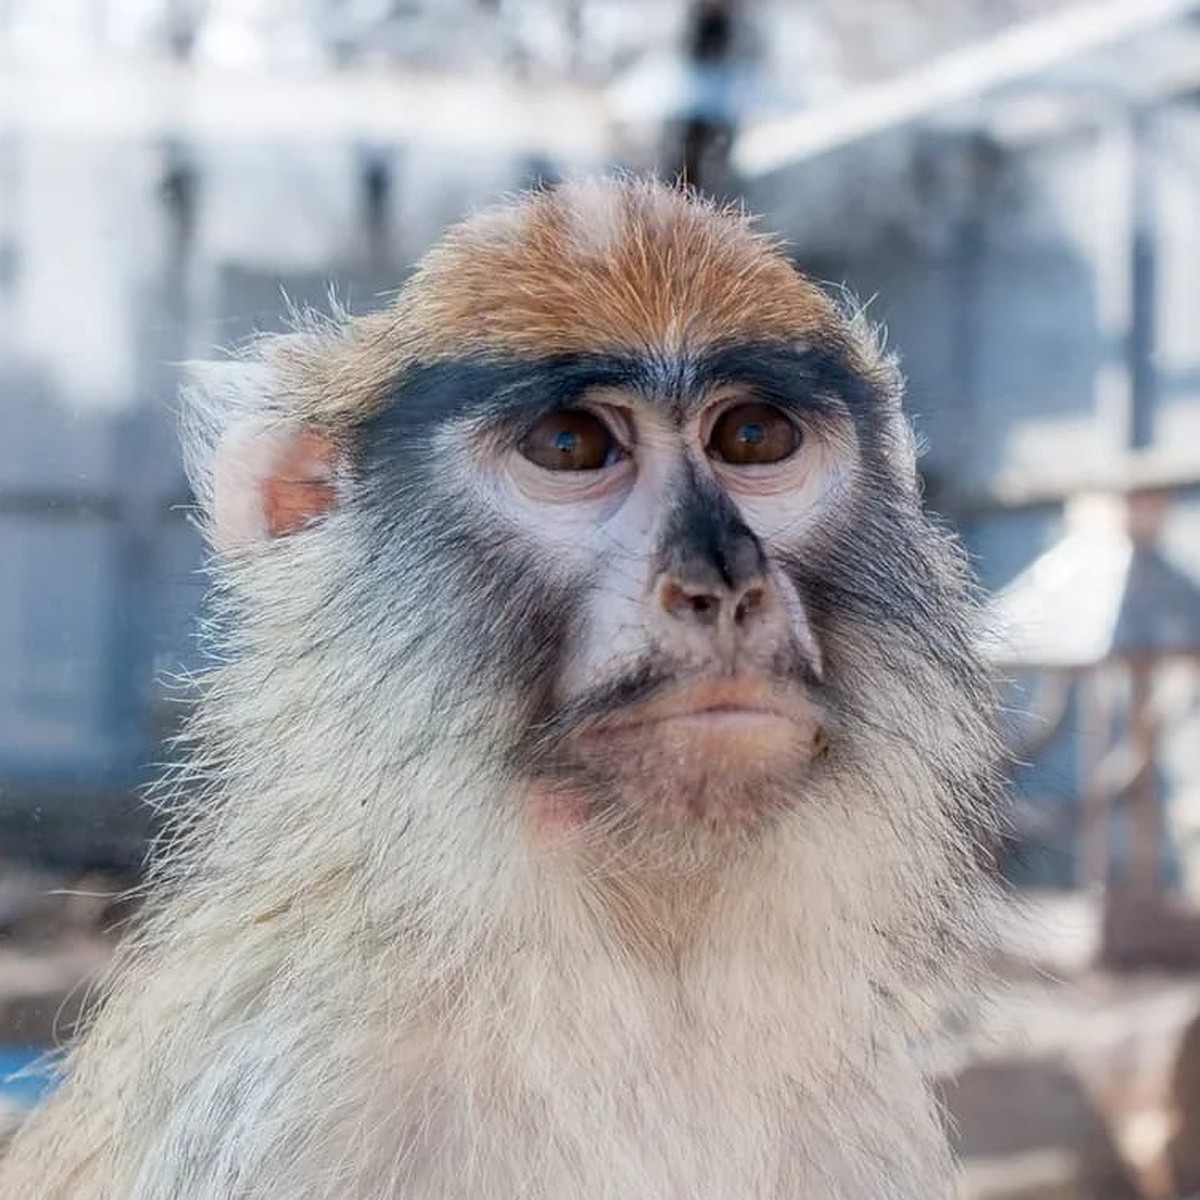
753,433
570,440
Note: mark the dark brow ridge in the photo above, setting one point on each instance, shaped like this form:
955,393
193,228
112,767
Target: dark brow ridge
495,389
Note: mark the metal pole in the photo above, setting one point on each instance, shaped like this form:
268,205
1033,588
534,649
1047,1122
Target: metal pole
704,139
1095,725
1145,812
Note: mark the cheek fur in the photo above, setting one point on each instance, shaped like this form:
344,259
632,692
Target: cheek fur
503,612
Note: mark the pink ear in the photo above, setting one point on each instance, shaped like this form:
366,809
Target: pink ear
271,481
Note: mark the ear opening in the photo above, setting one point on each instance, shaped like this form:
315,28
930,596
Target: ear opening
269,481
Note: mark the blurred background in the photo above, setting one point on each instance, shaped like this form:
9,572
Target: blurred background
1011,186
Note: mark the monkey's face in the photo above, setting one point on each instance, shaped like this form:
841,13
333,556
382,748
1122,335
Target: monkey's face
688,679
617,503
629,523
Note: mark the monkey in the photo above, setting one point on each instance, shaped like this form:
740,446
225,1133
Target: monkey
587,795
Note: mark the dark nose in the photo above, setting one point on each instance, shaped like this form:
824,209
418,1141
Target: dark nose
713,573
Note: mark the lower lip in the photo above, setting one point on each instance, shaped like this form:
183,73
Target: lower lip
729,720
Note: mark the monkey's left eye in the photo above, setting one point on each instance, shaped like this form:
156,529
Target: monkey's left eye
748,434
571,439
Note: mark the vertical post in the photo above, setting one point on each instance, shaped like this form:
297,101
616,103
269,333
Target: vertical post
1113,273
1145,812
147,458
1095,724
1126,276
705,135
377,183
968,248
1143,280
1125,284
1144,515
9,252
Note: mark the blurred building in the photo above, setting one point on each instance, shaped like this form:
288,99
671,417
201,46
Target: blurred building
1025,223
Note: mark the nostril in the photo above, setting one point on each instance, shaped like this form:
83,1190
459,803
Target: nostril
701,607
751,601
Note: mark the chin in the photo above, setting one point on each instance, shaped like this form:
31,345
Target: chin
683,762
717,773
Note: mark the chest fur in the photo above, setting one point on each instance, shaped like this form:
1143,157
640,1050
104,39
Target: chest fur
665,1096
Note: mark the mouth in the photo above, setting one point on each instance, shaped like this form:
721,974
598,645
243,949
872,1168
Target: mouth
723,751
722,707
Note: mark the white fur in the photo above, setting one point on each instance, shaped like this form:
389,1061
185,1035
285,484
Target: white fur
361,979
329,1009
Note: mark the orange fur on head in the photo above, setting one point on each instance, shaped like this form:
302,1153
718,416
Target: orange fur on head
606,265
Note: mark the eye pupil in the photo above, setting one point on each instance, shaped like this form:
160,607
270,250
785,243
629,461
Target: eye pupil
571,439
754,433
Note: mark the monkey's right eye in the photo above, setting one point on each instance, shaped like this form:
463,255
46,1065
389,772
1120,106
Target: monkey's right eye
571,439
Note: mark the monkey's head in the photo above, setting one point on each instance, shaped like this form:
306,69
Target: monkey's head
610,519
